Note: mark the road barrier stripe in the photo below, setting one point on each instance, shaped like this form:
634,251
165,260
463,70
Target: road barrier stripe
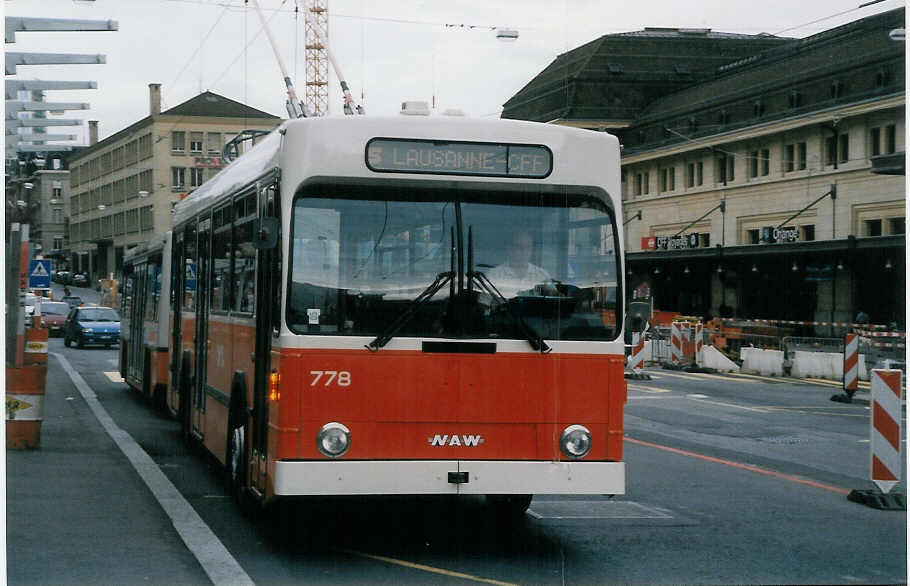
426,568
851,362
885,429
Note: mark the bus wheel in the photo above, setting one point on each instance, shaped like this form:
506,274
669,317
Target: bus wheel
236,460
509,506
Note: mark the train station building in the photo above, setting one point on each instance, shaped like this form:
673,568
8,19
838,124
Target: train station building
125,186
762,176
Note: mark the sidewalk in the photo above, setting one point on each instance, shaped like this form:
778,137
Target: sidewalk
77,511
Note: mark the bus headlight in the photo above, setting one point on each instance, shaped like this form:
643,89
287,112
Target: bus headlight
575,441
333,440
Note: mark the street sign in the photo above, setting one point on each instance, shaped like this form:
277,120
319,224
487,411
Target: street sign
39,274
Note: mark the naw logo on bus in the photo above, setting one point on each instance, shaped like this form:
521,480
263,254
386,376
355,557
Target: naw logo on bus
467,441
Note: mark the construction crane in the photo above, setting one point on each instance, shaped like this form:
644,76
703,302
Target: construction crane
317,63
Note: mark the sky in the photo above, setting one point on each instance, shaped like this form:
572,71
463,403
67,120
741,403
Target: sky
388,50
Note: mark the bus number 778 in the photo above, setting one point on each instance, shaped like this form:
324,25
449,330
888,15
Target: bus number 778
341,378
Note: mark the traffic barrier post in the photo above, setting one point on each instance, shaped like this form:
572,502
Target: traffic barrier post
638,353
675,343
885,445
851,364
24,405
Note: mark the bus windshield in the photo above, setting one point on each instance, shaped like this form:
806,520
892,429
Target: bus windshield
462,264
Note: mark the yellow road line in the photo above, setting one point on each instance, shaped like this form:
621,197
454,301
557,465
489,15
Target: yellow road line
647,389
425,568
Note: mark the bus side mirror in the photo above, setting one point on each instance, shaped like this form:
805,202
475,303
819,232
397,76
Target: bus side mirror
267,236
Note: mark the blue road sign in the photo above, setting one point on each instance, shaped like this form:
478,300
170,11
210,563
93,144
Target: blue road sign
39,274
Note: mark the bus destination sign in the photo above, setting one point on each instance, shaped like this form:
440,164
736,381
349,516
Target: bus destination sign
394,155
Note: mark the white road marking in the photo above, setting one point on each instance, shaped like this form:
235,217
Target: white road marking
213,556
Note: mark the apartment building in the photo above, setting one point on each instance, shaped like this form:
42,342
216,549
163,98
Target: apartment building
772,186
125,186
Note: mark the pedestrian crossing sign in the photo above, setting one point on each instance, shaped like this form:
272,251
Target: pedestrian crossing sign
39,274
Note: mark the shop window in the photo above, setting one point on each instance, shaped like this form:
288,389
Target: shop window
897,225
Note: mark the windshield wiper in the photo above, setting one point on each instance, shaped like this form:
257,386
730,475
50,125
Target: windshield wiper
382,339
534,339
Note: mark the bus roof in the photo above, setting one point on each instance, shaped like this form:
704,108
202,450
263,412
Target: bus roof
324,138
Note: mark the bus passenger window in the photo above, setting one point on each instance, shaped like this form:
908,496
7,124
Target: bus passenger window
221,270
244,285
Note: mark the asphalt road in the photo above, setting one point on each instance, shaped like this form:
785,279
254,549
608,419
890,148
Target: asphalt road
731,479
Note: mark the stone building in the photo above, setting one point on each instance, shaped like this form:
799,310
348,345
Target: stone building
125,186
769,184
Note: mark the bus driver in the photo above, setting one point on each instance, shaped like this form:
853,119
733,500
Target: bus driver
518,275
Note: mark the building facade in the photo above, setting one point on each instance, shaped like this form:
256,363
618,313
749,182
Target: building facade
772,188
125,186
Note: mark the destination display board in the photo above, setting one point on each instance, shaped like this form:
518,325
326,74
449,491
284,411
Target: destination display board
395,155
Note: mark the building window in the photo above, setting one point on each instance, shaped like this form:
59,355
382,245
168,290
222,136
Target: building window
753,236
214,143
645,188
830,150
146,219
668,179
690,175
725,168
765,161
58,242
723,117
638,184
875,142
753,164
874,227
794,100
844,150
807,232
178,142
699,173
897,225
890,139
704,240
196,143
178,178
758,108
57,215
196,177
789,157
801,156
56,193
882,77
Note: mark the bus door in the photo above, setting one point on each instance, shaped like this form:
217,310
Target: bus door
137,324
176,317
268,310
202,342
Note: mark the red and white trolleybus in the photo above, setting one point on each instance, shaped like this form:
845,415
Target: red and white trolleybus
405,305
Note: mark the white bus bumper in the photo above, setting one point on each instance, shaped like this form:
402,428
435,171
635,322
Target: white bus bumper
448,477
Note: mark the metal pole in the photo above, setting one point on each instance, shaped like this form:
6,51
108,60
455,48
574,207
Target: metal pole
12,291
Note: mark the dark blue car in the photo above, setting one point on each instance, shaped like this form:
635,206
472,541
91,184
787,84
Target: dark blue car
92,325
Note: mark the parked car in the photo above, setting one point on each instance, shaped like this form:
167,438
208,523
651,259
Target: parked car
53,316
92,325
80,280
72,300
63,277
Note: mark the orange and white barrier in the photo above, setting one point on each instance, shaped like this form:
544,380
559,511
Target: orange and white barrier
886,432
676,343
699,341
851,363
636,361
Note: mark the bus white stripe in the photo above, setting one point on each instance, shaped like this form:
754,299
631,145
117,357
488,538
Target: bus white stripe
215,559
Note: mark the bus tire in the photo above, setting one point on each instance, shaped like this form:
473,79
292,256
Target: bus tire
236,459
509,507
